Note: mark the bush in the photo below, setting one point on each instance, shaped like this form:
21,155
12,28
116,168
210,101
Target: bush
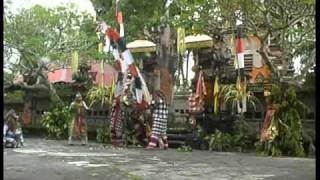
219,141
101,95
241,139
243,136
57,121
104,135
185,149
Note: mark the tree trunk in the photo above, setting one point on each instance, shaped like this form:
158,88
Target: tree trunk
264,55
166,60
27,110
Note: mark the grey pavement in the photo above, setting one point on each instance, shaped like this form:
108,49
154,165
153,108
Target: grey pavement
54,160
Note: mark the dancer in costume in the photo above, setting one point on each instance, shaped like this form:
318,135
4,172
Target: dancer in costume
266,133
125,65
114,43
121,115
78,127
159,109
12,131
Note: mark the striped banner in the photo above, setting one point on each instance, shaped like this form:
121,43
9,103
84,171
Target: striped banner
119,19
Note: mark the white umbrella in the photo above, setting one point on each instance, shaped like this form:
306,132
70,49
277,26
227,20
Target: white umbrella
198,41
141,46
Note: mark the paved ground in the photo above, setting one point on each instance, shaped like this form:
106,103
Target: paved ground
55,160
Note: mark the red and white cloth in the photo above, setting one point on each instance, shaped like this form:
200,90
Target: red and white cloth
196,100
240,52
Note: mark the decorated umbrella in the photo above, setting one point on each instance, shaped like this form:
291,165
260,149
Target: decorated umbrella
198,41
141,46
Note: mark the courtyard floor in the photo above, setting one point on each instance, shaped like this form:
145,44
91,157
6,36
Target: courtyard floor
54,160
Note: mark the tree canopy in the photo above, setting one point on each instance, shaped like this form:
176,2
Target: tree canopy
288,24
41,32
56,33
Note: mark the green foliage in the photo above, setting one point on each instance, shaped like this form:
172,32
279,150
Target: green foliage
42,32
57,121
219,141
243,135
104,135
185,149
64,90
241,139
15,96
137,16
99,94
201,132
286,125
232,95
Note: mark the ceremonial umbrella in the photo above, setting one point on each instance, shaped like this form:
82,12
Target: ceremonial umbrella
141,46
198,41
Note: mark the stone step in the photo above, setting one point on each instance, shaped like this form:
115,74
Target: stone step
176,143
181,137
178,131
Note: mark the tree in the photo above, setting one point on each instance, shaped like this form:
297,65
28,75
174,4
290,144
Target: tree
145,20
288,24
40,35
39,32
291,28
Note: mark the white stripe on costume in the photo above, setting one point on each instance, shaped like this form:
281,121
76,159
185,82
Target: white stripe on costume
240,60
124,66
116,54
119,89
146,93
139,95
106,47
121,30
127,57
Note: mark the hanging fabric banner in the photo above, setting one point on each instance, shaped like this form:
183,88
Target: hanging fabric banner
181,45
216,95
75,62
235,59
119,18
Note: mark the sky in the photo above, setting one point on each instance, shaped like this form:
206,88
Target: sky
84,5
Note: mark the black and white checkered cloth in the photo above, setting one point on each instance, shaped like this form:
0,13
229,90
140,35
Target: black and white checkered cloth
160,109
159,115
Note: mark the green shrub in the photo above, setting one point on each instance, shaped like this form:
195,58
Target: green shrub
100,94
219,141
243,135
104,135
57,121
185,149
